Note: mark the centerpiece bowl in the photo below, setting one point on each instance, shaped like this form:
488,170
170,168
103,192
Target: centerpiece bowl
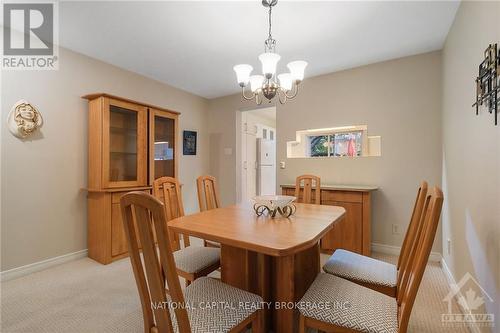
272,204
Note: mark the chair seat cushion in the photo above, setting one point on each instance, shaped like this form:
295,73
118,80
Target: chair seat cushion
356,267
216,307
193,259
343,303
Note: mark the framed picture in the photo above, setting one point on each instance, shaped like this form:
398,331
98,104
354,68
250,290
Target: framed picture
189,142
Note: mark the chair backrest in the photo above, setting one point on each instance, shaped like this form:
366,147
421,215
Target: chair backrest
208,192
411,274
168,190
143,218
309,181
416,216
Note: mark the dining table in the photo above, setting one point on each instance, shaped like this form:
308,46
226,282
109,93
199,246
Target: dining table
277,258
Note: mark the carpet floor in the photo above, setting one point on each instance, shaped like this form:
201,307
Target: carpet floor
83,297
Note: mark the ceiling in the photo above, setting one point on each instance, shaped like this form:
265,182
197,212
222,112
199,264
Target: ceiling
194,45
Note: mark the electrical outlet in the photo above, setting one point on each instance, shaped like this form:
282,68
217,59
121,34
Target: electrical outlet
395,229
448,247
282,165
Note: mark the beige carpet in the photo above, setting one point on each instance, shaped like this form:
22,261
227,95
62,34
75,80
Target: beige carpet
84,296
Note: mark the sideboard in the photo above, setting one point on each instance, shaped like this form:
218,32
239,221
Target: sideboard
353,233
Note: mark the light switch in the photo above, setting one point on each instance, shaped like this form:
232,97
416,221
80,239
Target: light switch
282,164
228,151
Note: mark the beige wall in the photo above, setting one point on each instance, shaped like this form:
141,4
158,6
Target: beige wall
471,153
255,116
43,207
398,99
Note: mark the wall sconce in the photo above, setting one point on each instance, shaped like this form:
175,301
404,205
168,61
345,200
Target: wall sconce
488,81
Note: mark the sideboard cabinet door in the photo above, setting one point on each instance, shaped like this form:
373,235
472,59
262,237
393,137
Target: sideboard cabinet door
347,234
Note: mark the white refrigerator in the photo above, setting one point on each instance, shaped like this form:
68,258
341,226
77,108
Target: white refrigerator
266,167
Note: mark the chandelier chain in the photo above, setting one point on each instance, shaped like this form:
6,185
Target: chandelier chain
270,22
270,43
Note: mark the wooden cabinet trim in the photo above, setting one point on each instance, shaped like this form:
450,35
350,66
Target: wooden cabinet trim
112,190
94,145
97,95
367,231
343,196
116,196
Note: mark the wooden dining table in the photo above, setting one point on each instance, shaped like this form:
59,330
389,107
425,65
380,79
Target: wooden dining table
276,258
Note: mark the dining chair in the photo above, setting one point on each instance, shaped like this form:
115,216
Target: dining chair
359,309
144,218
208,192
192,261
309,181
372,273
208,198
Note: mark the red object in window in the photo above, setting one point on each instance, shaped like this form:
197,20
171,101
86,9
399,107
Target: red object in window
351,151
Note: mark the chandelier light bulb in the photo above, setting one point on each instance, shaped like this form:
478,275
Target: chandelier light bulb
256,82
243,73
269,61
285,81
297,69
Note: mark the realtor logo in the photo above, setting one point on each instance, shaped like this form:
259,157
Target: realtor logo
29,36
472,298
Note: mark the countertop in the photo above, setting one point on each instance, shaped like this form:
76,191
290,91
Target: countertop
341,187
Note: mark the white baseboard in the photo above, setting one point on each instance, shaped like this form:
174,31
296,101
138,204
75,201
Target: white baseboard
463,307
395,250
447,272
41,265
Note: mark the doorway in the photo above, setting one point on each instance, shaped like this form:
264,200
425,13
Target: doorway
256,158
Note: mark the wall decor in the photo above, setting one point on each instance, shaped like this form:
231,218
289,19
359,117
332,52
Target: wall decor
24,119
488,81
189,142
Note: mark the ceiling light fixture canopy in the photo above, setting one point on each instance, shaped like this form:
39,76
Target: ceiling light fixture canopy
270,85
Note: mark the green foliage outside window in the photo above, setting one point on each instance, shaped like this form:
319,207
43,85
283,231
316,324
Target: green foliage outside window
319,145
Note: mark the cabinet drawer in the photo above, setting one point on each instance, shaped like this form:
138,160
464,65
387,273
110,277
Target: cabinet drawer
328,196
288,191
115,197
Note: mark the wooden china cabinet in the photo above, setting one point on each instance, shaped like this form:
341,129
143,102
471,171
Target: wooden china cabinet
130,144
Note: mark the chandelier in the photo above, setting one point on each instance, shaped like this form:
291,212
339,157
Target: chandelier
270,85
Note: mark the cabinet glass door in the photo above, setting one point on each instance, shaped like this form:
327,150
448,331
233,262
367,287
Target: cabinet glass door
122,144
163,150
126,141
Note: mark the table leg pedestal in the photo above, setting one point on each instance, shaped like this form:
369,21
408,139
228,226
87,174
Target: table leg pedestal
280,280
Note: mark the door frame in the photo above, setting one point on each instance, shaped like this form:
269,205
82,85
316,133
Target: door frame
240,144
